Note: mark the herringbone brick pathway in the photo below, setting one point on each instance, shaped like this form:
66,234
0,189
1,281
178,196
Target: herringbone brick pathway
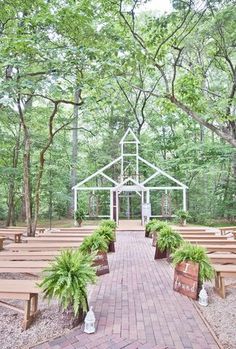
135,305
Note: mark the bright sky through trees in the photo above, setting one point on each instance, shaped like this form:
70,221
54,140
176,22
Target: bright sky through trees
159,6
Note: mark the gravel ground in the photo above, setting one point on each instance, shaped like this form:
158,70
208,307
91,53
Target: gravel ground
221,315
50,322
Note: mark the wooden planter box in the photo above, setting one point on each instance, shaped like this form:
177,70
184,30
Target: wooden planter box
186,279
111,246
146,234
159,254
101,264
154,239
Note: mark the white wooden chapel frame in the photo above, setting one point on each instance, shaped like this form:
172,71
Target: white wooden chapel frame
131,183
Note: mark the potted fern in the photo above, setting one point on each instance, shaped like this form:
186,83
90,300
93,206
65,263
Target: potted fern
196,254
66,279
79,216
109,223
148,227
155,230
109,236
97,244
167,242
183,216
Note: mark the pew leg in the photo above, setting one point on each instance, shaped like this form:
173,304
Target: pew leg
26,321
34,304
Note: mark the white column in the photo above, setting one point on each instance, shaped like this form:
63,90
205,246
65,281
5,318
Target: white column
142,202
148,197
75,205
111,204
117,207
184,200
122,163
137,167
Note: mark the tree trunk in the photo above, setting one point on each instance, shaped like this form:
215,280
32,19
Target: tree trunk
73,180
27,188
26,169
11,192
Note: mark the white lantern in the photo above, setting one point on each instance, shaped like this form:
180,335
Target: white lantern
89,321
203,297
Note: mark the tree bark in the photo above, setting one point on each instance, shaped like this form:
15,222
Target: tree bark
26,169
74,158
11,193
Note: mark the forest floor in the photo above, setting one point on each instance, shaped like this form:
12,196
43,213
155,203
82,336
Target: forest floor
68,222
221,315
51,322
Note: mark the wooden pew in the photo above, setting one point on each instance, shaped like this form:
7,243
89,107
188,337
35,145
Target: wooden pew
222,258
223,271
70,231
204,237
224,230
215,241
25,290
190,229
31,267
69,235
49,239
43,246
1,242
200,233
12,235
83,228
24,229
28,256
220,248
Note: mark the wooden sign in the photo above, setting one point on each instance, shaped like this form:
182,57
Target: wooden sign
101,264
186,279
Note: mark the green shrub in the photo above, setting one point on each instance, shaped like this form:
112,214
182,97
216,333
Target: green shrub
79,215
155,226
183,216
108,223
67,279
94,243
168,239
106,232
197,254
158,226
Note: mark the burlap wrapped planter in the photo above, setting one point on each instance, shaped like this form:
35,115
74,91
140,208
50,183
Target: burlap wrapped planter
101,264
154,239
159,254
111,246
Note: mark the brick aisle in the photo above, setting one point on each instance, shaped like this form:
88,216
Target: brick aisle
135,305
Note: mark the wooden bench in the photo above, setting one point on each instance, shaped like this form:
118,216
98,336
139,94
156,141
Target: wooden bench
215,241
222,258
28,256
62,234
224,230
193,229
71,231
49,239
25,290
83,228
204,237
1,242
43,246
220,248
200,233
15,235
29,267
223,271
24,229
